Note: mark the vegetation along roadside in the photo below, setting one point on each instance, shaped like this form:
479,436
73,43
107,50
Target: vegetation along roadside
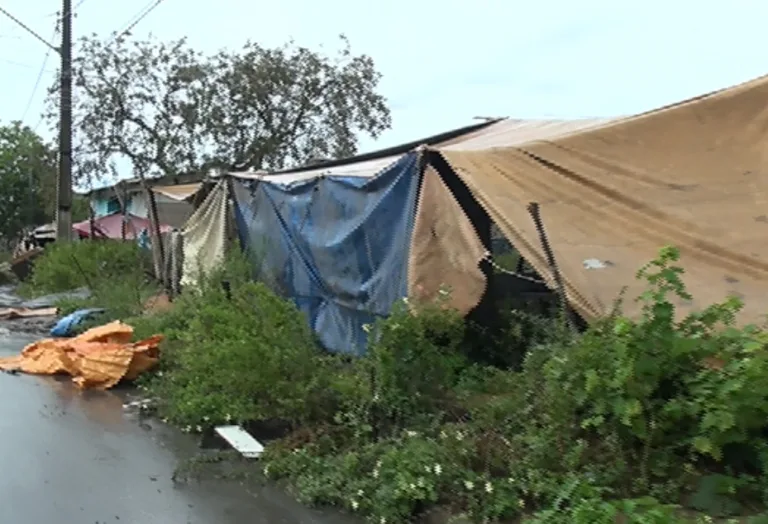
644,420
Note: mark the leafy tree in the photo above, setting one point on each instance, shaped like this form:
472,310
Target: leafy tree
168,109
136,101
27,181
272,108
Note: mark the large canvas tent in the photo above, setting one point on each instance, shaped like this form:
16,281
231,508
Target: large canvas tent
346,240
692,174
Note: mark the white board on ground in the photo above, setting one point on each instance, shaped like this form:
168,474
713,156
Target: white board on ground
241,440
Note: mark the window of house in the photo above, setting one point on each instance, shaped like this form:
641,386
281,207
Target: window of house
113,206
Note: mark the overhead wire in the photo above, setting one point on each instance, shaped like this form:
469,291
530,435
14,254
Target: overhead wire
133,22
28,29
141,15
59,18
40,74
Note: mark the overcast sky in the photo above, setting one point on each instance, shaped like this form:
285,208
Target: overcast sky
445,61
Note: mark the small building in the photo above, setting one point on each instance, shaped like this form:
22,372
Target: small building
172,195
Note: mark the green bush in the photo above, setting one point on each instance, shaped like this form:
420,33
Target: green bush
665,393
622,423
240,358
414,360
390,480
64,267
114,272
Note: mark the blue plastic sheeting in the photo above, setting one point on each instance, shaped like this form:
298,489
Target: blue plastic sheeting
337,246
144,240
65,327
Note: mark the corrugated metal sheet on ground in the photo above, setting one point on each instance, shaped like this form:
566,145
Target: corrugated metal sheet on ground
338,246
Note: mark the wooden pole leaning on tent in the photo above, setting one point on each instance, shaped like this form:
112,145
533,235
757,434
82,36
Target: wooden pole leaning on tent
122,199
91,221
535,212
158,255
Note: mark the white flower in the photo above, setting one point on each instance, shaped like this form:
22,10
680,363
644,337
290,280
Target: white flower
159,373
367,328
375,473
206,419
376,397
405,300
488,487
228,417
521,503
412,486
355,504
410,433
438,469
383,520
187,429
469,485
199,429
459,435
443,435
266,471
359,492
420,482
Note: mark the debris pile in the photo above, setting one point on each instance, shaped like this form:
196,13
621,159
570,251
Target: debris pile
97,359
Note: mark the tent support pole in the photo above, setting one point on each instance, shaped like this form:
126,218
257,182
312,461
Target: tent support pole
535,212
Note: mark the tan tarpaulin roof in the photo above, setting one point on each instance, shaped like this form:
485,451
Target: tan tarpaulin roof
178,192
694,175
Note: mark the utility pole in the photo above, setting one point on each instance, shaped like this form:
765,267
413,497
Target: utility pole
64,186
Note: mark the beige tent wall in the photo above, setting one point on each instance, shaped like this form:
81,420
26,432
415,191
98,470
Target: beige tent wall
205,235
445,251
612,193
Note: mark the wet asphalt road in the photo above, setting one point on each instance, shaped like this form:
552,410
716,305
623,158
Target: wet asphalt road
73,457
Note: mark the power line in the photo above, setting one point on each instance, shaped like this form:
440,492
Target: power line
40,74
28,30
22,64
57,14
138,18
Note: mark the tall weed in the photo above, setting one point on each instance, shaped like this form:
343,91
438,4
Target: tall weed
619,424
92,264
116,273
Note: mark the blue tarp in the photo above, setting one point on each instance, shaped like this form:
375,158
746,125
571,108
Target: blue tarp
67,325
337,246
